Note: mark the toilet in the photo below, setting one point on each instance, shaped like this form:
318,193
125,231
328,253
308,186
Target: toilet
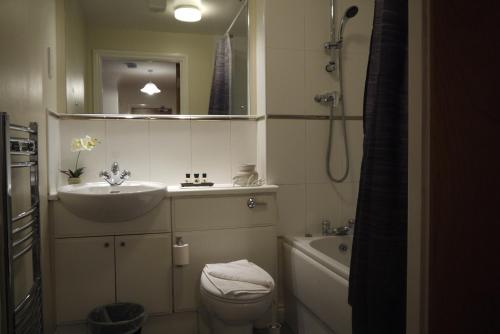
233,314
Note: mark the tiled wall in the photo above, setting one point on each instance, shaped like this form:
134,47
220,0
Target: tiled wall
296,148
162,150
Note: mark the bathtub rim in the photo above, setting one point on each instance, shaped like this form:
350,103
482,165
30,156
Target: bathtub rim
303,245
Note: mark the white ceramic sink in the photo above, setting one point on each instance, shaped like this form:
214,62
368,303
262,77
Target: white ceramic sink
104,203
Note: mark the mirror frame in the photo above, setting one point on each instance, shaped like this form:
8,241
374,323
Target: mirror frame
98,54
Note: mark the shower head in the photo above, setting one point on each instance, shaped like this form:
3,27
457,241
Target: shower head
349,14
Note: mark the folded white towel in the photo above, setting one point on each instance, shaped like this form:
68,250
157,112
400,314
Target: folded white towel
235,288
241,271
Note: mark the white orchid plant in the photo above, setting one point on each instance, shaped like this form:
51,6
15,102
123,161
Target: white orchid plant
79,145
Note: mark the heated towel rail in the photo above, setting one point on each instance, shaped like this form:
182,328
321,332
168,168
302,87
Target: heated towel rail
19,234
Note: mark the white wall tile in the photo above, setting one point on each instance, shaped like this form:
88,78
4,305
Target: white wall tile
292,210
170,151
286,151
323,202
93,161
348,201
317,24
285,24
262,148
243,144
355,66
211,150
54,152
318,81
317,141
285,82
127,144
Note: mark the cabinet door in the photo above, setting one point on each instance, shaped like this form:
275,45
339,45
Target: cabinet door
144,271
84,275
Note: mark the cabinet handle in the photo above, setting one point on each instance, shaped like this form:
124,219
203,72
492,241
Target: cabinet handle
106,245
252,203
122,243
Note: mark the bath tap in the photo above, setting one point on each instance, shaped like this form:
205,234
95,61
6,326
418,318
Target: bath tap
326,228
113,176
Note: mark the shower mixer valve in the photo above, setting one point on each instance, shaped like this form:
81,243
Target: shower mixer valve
326,98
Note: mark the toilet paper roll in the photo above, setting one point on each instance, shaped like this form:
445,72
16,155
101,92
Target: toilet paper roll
181,255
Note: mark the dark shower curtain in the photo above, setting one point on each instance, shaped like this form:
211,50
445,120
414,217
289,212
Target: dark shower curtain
377,282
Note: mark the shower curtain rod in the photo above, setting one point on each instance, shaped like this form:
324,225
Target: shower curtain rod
236,17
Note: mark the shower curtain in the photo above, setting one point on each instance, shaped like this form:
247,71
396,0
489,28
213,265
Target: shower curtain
377,282
220,94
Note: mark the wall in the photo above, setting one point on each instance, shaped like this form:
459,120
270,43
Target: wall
27,27
162,150
76,56
296,148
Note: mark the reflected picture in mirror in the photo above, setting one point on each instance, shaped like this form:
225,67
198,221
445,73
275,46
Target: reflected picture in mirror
156,57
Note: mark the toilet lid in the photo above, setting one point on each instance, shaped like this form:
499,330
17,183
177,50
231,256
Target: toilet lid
208,287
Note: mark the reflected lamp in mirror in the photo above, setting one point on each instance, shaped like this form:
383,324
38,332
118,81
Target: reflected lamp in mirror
150,89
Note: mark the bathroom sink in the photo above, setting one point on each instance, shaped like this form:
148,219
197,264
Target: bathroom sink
101,202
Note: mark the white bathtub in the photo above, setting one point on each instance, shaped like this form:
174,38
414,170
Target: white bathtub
316,274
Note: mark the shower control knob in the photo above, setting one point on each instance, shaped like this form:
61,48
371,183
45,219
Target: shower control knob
331,66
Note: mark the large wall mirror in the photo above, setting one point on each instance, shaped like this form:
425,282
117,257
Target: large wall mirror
156,57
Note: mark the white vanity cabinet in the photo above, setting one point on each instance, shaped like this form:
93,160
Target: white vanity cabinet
101,270
100,263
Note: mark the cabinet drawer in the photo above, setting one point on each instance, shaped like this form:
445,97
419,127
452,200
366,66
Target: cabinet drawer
218,212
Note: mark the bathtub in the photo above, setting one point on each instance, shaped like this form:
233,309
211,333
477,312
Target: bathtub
316,276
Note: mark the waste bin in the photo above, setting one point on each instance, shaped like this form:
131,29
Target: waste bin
119,318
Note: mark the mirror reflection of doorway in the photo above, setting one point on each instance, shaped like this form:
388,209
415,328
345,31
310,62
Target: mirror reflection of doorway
140,86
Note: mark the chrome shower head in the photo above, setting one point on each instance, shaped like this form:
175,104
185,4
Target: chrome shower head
349,14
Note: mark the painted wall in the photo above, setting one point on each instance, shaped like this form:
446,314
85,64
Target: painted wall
26,91
296,148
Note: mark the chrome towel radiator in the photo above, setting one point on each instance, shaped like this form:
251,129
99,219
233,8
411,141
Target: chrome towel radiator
19,234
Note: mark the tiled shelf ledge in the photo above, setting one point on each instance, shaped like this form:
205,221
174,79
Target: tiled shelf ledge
217,189
156,117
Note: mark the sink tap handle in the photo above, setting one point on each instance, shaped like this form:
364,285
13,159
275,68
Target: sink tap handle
351,222
125,174
104,174
326,227
115,168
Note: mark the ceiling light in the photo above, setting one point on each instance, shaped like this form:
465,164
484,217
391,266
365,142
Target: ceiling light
187,14
150,89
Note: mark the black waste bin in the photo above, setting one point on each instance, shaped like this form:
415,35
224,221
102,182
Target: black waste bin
119,318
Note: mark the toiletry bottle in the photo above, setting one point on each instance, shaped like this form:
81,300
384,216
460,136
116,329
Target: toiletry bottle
197,178
188,178
204,178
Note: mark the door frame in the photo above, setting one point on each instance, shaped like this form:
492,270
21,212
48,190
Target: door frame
418,167
178,58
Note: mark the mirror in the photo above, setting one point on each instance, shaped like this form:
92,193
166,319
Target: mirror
138,57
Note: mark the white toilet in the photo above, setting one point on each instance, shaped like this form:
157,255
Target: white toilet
233,314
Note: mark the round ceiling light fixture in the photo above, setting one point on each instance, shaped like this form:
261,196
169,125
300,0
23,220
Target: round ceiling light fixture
187,14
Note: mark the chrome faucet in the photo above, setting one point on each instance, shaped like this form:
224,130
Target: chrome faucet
326,228
113,176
